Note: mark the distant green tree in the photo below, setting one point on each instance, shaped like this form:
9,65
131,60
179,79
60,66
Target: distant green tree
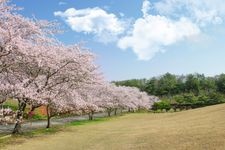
192,84
220,83
192,90
152,86
180,86
167,85
208,85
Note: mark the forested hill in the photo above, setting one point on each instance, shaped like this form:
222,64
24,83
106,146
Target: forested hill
195,90
170,84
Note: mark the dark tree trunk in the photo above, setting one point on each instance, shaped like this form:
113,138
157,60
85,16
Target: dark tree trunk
48,116
139,108
90,115
19,116
115,111
121,111
109,113
129,110
33,107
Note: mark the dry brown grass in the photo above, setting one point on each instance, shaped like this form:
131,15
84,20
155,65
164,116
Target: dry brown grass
200,129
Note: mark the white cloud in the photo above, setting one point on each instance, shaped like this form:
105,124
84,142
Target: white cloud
151,34
164,23
105,26
146,7
203,12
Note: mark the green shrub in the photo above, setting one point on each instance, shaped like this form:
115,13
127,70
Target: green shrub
171,110
38,117
158,111
190,98
179,99
164,111
189,101
162,105
12,104
177,110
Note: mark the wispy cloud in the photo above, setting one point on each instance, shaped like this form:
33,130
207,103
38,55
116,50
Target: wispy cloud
202,12
62,3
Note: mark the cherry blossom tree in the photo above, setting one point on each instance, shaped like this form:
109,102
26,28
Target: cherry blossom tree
76,70
90,95
111,98
22,42
105,94
132,98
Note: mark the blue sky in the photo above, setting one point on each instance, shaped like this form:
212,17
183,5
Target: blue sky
141,39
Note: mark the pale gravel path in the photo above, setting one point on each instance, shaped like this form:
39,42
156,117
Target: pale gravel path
7,129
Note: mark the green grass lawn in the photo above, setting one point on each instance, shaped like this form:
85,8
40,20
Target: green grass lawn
202,129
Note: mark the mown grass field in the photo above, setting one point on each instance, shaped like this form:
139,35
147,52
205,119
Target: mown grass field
202,129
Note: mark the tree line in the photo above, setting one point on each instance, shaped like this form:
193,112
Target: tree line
192,90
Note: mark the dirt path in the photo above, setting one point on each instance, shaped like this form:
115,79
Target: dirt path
28,126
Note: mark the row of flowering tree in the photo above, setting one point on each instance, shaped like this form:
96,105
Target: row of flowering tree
108,97
38,70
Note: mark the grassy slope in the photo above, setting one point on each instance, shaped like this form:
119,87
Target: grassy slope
195,129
